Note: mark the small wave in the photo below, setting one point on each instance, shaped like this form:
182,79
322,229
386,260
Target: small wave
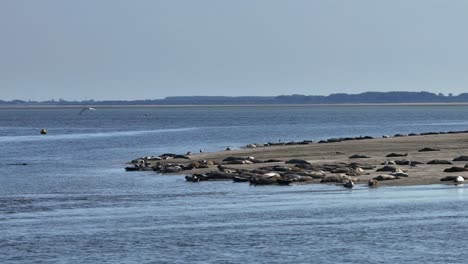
43,203
447,123
50,137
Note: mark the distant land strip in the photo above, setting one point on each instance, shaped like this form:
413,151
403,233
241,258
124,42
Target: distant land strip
295,99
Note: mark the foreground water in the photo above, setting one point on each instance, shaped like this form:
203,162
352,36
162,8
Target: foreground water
74,203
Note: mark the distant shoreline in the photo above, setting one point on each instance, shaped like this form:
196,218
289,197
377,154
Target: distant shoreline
365,98
223,106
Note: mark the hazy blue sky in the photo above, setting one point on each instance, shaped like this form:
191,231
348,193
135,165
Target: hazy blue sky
110,49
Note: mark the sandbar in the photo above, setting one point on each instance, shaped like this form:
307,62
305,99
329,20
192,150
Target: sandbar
450,146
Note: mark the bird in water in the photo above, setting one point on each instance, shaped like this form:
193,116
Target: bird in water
86,109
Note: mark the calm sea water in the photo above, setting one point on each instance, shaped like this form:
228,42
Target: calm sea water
74,203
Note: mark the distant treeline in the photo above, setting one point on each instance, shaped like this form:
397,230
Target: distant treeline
338,98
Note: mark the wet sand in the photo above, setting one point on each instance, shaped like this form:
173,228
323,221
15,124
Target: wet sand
450,145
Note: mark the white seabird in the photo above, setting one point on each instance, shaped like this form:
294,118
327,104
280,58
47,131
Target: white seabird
86,109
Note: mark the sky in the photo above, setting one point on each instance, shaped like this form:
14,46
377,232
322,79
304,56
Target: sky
150,49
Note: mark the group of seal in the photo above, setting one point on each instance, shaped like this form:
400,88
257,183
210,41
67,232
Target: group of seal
305,172
295,170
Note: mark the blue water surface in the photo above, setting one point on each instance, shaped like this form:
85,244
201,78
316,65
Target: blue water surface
74,203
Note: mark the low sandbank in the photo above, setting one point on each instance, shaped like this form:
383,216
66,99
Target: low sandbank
320,161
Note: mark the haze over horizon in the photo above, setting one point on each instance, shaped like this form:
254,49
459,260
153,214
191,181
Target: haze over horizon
126,50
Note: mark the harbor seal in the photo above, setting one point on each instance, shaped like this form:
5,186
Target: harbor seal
349,184
373,183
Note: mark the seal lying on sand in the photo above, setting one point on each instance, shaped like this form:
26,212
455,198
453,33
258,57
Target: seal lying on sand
357,156
387,168
461,158
436,161
373,183
396,155
399,173
428,149
349,184
456,169
339,178
453,178
386,177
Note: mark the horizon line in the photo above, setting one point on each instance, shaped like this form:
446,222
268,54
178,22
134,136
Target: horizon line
221,96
